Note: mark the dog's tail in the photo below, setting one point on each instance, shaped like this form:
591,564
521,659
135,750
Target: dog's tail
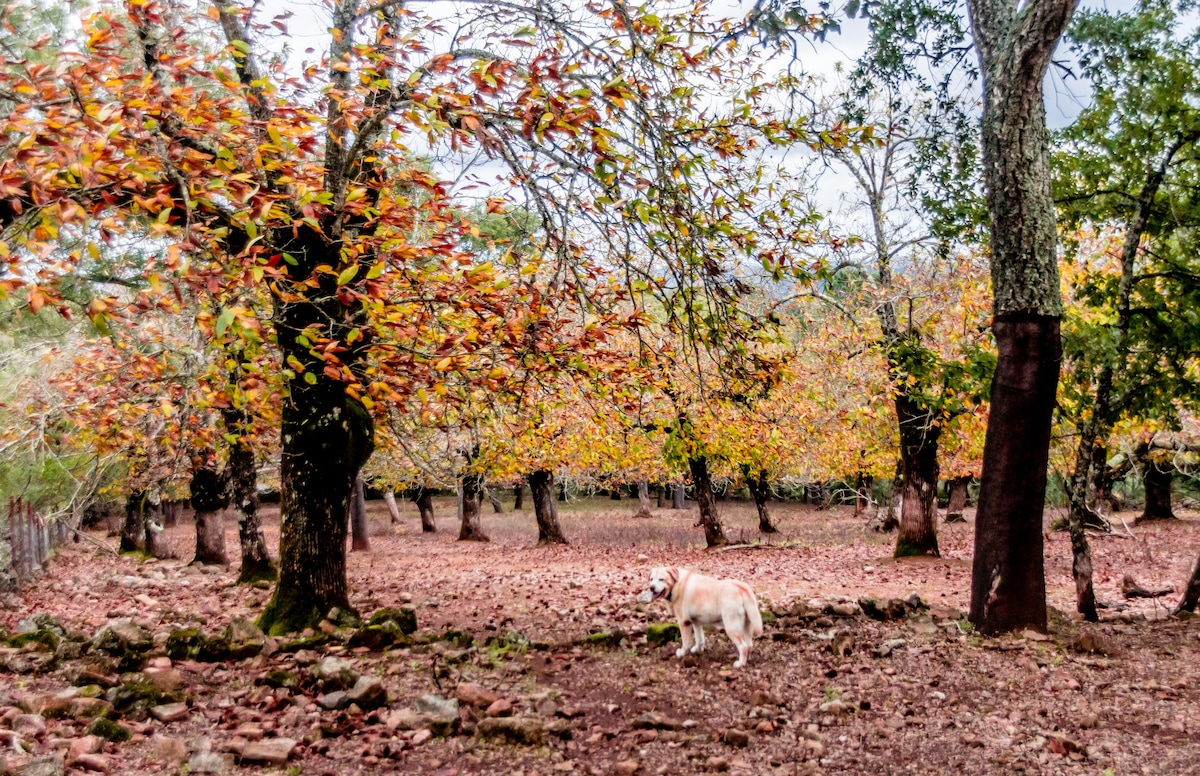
753,615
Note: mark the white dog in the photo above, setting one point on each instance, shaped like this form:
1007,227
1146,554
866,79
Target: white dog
697,600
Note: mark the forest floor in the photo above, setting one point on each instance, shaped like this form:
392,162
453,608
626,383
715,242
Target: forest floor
827,689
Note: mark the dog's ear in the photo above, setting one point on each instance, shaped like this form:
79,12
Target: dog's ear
672,576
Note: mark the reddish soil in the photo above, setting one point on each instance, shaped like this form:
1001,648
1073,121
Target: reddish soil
945,701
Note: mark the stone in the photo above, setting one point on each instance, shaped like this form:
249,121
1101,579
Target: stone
367,693
835,707
109,730
85,745
436,705
167,680
421,736
184,643
516,730
660,633
404,719
331,701
49,704
245,638
501,708
170,712
405,617
842,643
1032,635
717,764
626,767
43,766
120,637
96,763
888,647
89,708
168,750
843,609
891,609
270,751
1090,642
30,725
209,762
652,720
735,737
471,694
764,727
334,673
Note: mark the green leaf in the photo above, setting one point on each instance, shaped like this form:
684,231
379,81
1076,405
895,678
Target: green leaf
347,274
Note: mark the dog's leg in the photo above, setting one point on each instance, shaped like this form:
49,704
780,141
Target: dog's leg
698,629
734,629
685,634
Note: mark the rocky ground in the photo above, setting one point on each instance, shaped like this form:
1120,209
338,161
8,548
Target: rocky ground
503,658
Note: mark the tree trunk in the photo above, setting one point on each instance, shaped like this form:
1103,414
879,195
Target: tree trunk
614,494
243,481
710,520
133,528
918,452
172,510
545,510
679,496
326,438
661,502
210,499
862,493
423,498
472,508
1157,481
157,544
643,495
958,499
760,491
896,503
389,500
360,539
1008,583
1015,42
519,496
1191,595
497,507
562,491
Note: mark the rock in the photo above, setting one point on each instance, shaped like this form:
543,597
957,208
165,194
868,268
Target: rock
1032,635
168,750
405,617
717,764
138,692
167,680
49,704
404,719
501,708
367,693
660,633
764,727
517,730
331,701
214,649
271,751
842,643
761,697
121,637
626,767
30,725
209,762
735,737
835,707
378,637
652,720
1090,720
184,643
334,673
170,712
110,731
97,763
421,736
89,708
280,678
1090,642
471,694
843,609
43,766
245,638
436,705
892,609
888,647
84,745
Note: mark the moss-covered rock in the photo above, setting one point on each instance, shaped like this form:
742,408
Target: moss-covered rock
280,678
404,617
184,643
41,640
109,730
125,640
660,633
245,639
377,637
214,649
458,638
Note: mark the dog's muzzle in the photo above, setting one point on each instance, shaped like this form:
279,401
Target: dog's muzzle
646,597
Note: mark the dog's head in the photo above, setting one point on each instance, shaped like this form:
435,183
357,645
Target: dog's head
662,581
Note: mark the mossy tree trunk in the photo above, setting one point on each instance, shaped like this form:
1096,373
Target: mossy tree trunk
519,496
679,496
243,483
423,498
958,499
643,495
545,509
760,491
1156,479
210,499
133,526
471,529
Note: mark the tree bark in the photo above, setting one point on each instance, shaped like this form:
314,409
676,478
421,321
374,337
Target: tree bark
958,499
1191,595
760,490
643,495
896,502
545,509
918,453
614,494
171,512
243,482
360,539
1008,589
423,498
1015,44
519,496
710,519
862,493
156,542
133,526
497,507
661,502
1157,482
472,508
389,500
210,498
562,491
679,496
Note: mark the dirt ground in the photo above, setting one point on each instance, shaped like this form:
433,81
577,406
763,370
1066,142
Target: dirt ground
827,689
